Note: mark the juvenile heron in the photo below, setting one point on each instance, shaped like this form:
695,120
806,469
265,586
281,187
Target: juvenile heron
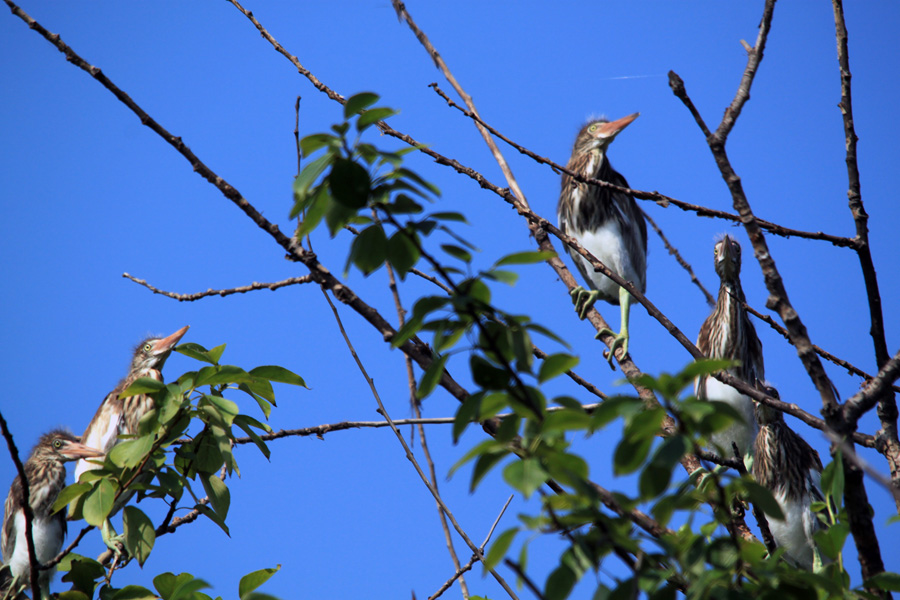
607,223
789,467
45,472
729,333
120,415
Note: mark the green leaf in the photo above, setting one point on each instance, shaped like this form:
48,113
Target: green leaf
212,516
402,252
499,548
68,494
315,211
222,374
244,422
630,454
373,115
884,581
431,377
99,503
525,258
831,541
350,183
449,216
311,143
354,104
457,252
139,533
525,475
487,375
142,385
134,592
483,465
555,365
217,491
131,452
337,216
196,351
305,179
369,249
279,374
560,583
227,409
465,414
566,420
165,584
763,498
251,581
185,589
508,277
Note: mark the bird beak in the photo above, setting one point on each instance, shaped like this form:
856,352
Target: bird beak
613,128
166,344
76,450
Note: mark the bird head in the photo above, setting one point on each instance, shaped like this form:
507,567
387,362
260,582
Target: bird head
765,414
153,352
60,445
728,258
597,134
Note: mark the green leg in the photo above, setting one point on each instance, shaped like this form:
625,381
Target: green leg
583,300
622,336
114,541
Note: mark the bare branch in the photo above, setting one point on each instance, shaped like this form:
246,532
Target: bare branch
211,292
887,405
684,264
660,199
33,563
409,455
823,353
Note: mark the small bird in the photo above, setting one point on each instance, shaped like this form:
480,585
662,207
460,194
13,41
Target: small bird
118,416
45,472
729,333
788,466
607,223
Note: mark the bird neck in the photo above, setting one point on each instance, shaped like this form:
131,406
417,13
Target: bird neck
782,460
45,480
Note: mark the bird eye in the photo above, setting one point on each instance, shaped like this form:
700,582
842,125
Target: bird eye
592,128
148,347
57,444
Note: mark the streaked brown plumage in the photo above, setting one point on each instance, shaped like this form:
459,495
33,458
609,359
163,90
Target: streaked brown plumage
729,333
791,469
606,223
46,474
118,416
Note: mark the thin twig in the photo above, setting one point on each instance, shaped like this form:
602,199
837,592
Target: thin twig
684,264
821,352
887,404
409,455
454,577
227,292
33,564
525,579
416,406
660,199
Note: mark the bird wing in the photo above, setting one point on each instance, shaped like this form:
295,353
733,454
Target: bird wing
102,432
8,535
630,214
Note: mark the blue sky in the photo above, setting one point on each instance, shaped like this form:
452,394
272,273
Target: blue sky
89,194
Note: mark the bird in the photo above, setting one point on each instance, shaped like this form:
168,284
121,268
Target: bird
728,333
788,466
120,415
45,472
605,222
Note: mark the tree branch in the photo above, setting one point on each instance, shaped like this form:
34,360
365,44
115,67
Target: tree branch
227,292
33,564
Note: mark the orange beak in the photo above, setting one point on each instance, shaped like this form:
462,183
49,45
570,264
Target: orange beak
76,450
613,128
167,343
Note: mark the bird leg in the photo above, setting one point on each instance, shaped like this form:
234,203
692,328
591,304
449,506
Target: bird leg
114,541
622,336
583,300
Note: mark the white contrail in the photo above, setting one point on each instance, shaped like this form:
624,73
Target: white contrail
629,77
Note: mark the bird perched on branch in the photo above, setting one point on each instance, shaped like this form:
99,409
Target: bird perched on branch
788,466
729,333
607,223
119,415
45,473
